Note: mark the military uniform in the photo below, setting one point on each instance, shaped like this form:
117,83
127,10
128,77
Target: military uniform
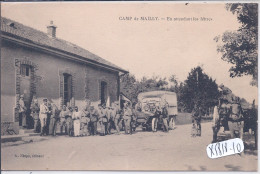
224,111
22,113
236,121
102,120
35,108
117,117
127,119
93,121
63,113
109,120
84,122
165,118
112,118
69,122
44,110
53,120
196,118
76,122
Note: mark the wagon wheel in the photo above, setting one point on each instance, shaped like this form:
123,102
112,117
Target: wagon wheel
154,124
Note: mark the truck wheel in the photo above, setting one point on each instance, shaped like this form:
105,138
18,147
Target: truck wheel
172,123
154,124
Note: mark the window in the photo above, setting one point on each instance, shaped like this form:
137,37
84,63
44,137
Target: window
103,92
67,93
25,70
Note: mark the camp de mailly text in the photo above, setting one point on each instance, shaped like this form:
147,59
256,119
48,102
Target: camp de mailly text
155,18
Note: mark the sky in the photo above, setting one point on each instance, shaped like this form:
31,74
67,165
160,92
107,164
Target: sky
143,47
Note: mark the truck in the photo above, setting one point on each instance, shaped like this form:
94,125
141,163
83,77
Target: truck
147,102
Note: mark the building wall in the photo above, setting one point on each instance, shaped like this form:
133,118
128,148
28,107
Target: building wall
86,78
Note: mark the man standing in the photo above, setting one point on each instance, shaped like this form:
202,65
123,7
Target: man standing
22,112
105,119
236,120
35,108
127,118
101,119
69,123
76,121
53,119
63,113
165,117
112,116
44,110
117,116
93,120
196,118
85,120
109,120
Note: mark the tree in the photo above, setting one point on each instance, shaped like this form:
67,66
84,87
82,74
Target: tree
132,87
199,89
128,86
240,47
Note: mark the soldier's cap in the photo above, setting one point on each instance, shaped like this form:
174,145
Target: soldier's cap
45,99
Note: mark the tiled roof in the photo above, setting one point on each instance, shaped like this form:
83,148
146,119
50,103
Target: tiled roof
40,38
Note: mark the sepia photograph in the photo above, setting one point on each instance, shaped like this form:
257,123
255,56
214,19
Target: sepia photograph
129,86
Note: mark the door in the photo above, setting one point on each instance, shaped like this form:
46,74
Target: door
103,92
67,93
25,89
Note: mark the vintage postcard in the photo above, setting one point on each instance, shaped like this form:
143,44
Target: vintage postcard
129,86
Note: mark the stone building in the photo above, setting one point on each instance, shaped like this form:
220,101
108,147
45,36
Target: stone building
38,63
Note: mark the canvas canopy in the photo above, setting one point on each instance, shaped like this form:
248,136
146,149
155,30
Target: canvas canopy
169,97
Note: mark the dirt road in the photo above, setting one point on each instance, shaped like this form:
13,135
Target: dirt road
175,150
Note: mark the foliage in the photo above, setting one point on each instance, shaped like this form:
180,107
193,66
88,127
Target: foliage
132,87
240,47
199,89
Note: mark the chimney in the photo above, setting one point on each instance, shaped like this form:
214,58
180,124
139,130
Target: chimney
51,29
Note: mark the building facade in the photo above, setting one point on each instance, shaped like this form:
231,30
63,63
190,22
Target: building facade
38,63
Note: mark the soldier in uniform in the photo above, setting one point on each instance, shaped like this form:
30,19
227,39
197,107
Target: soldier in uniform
102,119
44,110
112,116
127,118
93,120
134,117
35,108
54,116
236,120
165,117
117,117
109,120
105,119
76,121
69,123
85,121
158,115
48,117
22,112
196,118
63,113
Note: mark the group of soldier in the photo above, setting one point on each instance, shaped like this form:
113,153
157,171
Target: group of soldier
73,122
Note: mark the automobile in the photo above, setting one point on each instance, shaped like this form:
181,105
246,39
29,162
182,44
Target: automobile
146,106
